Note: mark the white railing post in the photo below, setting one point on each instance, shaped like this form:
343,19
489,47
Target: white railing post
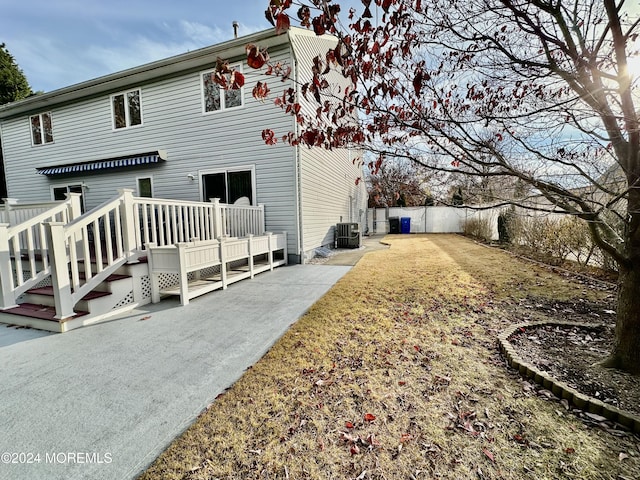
127,216
270,253
261,225
218,231
223,262
8,202
250,240
286,249
75,205
59,270
6,269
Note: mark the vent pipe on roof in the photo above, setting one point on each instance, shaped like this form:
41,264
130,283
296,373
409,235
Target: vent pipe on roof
235,25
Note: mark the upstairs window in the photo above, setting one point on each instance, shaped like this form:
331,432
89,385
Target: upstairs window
41,129
126,109
216,98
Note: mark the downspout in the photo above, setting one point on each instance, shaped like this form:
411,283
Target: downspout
298,160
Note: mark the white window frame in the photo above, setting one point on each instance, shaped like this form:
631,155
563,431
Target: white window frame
213,171
42,133
127,114
150,177
223,106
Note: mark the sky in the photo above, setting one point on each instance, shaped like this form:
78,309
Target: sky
63,42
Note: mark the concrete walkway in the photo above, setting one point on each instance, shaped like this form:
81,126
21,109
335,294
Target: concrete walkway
105,401
351,256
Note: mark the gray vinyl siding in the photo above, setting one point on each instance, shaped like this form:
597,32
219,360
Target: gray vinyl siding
172,121
329,193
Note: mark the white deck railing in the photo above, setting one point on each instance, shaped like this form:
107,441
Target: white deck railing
166,222
79,252
23,248
242,220
14,212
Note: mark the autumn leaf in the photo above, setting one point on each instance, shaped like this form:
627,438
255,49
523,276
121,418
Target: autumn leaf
282,23
260,91
417,82
349,438
369,417
354,449
255,57
318,25
569,450
237,80
489,455
269,137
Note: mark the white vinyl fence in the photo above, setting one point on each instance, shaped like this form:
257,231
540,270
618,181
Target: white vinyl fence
431,219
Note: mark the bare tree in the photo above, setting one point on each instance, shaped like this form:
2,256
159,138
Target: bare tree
536,91
399,183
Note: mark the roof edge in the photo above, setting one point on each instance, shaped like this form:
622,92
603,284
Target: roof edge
144,73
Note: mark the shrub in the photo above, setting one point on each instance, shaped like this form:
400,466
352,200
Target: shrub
478,228
563,238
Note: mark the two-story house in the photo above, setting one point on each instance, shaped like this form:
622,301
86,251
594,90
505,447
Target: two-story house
165,130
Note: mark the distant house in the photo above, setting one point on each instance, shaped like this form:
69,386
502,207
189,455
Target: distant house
165,130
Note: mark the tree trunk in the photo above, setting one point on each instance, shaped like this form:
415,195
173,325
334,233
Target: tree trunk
626,346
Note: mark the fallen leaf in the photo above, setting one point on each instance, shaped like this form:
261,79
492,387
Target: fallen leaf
369,417
348,424
402,383
405,437
349,438
372,441
145,318
569,450
489,455
354,449
520,439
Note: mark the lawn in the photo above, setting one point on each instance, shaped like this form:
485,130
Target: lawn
395,374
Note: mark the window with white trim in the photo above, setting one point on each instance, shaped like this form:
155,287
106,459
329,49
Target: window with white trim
230,186
145,187
215,98
126,109
41,129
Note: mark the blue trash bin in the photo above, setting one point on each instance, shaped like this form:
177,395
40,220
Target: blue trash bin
405,225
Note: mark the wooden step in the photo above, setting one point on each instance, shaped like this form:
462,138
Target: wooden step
111,278
48,292
42,312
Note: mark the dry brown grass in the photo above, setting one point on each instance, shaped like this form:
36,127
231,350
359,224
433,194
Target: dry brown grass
408,336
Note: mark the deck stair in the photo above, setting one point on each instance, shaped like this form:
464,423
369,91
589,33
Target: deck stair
37,306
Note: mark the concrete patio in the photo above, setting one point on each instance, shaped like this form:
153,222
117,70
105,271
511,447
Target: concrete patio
105,401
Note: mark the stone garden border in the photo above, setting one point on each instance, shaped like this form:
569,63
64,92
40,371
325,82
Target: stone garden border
558,388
